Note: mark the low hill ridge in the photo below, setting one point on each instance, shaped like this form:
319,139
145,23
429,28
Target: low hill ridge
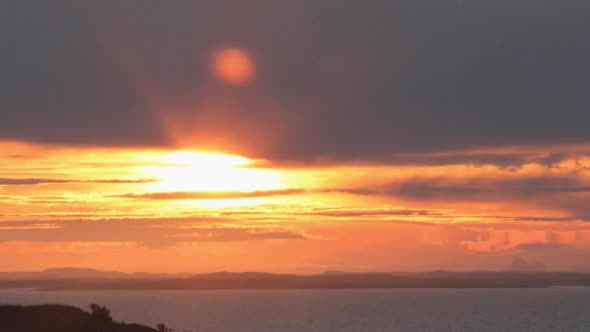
59,318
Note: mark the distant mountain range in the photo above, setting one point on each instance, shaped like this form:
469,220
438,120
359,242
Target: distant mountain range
91,279
83,273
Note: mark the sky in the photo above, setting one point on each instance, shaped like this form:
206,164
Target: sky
295,136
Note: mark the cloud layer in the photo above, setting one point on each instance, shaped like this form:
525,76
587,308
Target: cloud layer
451,132
154,232
341,80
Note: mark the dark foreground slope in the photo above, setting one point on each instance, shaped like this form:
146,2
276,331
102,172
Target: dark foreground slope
58,318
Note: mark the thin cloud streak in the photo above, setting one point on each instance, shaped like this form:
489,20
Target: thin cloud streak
179,195
540,246
150,232
35,181
474,188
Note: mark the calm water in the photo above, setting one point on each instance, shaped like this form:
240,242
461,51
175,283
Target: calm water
555,309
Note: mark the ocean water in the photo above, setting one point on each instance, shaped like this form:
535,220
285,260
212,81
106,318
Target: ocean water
552,309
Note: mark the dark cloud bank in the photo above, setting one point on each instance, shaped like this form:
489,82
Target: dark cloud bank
351,79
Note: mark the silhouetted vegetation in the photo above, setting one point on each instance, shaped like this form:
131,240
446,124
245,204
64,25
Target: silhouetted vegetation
163,328
101,316
59,318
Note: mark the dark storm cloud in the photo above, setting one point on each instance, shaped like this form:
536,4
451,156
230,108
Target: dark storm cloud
58,84
352,79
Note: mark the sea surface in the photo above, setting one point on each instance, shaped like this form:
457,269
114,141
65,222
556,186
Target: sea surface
551,309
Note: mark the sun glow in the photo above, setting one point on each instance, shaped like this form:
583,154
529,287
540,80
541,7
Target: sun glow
233,65
201,159
197,171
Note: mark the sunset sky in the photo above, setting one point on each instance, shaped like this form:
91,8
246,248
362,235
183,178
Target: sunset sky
295,136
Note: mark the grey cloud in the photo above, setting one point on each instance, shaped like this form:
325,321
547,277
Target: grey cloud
566,193
451,188
352,79
502,160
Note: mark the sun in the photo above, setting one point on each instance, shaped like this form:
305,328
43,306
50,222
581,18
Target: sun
198,171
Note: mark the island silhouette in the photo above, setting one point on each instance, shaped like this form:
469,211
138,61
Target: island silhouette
90,279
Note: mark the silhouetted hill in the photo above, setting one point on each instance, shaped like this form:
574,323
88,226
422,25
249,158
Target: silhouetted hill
57,318
84,273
